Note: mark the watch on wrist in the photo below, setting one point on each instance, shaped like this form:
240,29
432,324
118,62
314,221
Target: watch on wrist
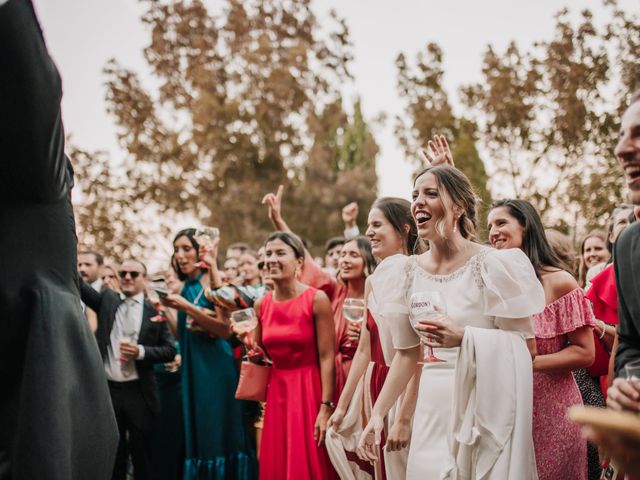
328,403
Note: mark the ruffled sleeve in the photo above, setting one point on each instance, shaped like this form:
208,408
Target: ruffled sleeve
604,296
388,290
566,314
512,292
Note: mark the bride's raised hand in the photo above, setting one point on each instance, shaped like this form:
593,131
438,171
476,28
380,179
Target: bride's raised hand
438,152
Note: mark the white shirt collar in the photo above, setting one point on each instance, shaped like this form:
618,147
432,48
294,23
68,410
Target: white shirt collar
137,298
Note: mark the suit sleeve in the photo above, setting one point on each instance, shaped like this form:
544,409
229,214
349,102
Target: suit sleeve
164,350
33,165
628,336
89,296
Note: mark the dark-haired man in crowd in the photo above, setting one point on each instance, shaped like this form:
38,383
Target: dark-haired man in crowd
624,394
130,343
89,263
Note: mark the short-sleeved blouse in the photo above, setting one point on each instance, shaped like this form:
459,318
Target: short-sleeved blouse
493,289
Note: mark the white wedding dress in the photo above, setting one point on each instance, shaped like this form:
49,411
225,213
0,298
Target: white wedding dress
495,289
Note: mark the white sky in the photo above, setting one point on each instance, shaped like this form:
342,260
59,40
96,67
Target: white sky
83,34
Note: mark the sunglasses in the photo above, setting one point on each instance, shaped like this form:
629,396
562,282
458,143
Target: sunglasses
123,273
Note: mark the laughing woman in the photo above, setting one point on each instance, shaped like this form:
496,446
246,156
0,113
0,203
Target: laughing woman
296,331
564,341
216,444
464,425
392,234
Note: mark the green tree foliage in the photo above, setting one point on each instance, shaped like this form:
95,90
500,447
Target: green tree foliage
240,102
428,112
345,144
549,116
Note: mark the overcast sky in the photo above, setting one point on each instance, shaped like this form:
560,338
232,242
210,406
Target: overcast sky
83,34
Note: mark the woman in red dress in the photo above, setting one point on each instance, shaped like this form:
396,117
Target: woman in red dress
296,332
392,233
355,265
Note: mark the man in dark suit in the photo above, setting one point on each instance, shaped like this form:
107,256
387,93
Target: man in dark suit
130,343
623,450
625,394
56,419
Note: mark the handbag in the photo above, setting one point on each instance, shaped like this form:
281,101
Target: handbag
253,381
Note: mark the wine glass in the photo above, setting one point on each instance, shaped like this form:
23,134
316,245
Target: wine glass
205,237
157,289
131,337
244,320
353,311
632,371
427,306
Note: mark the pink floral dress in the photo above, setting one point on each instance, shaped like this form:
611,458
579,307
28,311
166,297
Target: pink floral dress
561,451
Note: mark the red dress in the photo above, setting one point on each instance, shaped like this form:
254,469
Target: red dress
604,298
345,347
288,450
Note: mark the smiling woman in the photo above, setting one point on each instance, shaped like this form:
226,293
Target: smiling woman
296,331
216,442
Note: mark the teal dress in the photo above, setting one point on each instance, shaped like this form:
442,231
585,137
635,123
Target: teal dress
217,446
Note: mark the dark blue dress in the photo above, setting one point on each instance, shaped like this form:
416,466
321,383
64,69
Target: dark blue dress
216,443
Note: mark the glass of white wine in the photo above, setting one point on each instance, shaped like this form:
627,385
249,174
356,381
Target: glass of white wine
427,306
353,311
244,320
205,237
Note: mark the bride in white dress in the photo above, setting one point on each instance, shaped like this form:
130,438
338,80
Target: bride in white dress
456,431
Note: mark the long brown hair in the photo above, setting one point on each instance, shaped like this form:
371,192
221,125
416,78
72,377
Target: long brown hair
459,189
397,211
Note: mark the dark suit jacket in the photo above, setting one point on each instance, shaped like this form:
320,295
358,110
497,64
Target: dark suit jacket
56,418
627,267
154,336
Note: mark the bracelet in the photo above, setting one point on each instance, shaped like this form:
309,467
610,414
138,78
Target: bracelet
603,326
328,403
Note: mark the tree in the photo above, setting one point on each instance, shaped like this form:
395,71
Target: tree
428,112
346,145
234,112
548,119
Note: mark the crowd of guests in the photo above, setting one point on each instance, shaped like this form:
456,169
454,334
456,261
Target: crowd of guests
522,328
463,362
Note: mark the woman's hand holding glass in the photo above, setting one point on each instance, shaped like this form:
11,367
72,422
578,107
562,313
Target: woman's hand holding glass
208,252
206,237
440,332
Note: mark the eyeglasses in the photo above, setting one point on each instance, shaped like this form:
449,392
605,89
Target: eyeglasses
123,273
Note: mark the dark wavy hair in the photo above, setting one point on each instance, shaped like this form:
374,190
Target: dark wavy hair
190,234
397,211
369,261
289,239
534,240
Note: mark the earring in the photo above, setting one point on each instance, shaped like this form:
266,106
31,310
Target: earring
455,225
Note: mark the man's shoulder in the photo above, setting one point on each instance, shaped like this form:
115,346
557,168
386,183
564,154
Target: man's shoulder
629,240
